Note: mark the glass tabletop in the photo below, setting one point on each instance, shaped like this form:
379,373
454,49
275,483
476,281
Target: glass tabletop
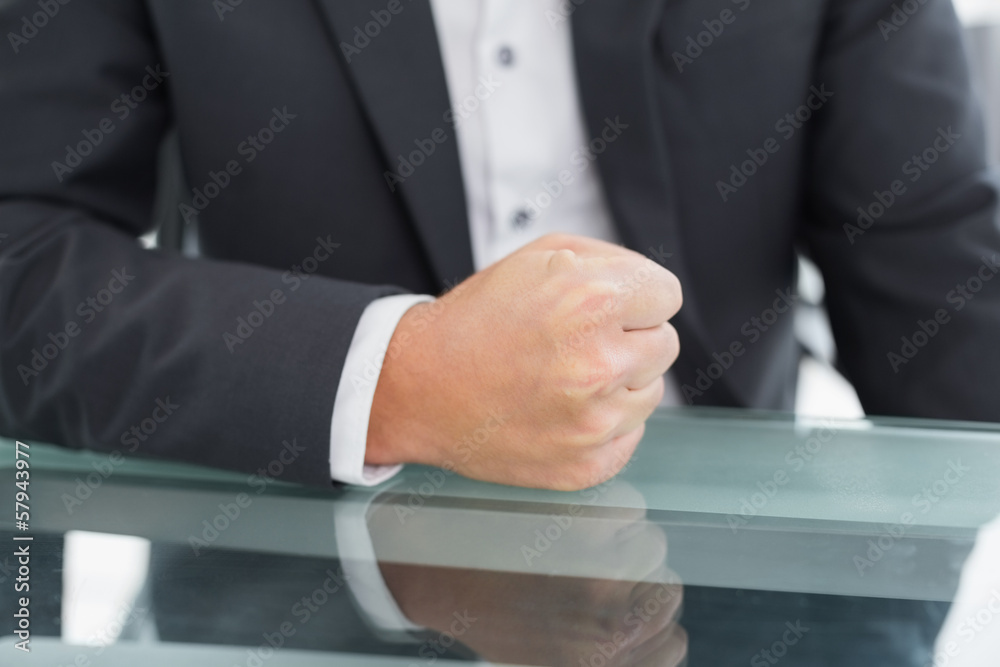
730,538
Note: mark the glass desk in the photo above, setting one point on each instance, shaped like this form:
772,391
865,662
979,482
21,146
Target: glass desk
731,538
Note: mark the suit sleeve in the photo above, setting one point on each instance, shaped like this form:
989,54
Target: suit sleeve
902,213
108,346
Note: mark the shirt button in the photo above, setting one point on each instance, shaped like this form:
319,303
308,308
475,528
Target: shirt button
506,56
521,218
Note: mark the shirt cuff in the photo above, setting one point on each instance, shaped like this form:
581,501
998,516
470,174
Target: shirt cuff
356,391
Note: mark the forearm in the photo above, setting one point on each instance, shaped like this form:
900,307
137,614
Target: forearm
251,355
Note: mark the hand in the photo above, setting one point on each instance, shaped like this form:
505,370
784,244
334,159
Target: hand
539,370
597,593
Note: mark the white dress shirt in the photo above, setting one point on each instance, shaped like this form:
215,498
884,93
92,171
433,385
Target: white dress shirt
522,143
527,172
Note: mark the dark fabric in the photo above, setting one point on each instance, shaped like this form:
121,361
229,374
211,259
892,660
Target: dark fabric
344,124
242,598
728,627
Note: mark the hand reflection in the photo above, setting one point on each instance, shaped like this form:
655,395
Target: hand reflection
556,585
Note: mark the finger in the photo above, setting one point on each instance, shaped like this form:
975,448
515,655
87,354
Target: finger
669,649
629,555
641,554
609,458
647,293
635,405
661,592
648,354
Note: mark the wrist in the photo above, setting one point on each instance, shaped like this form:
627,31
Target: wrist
398,429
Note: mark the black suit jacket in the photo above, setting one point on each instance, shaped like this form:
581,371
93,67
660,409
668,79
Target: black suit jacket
287,135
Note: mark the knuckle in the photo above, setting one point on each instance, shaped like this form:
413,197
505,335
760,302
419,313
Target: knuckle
672,343
595,426
657,395
674,289
591,297
562,260
595,375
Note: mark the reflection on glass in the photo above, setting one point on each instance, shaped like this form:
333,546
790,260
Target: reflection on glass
971,634
567,584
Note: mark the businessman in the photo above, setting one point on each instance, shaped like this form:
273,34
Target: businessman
562,169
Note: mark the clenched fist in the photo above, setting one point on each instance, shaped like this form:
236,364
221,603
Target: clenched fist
539,370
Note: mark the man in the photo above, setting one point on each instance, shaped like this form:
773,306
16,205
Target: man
343,155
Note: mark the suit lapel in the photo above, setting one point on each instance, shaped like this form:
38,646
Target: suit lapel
613,44
399,77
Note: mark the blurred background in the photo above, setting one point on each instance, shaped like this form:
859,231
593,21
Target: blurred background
823,391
